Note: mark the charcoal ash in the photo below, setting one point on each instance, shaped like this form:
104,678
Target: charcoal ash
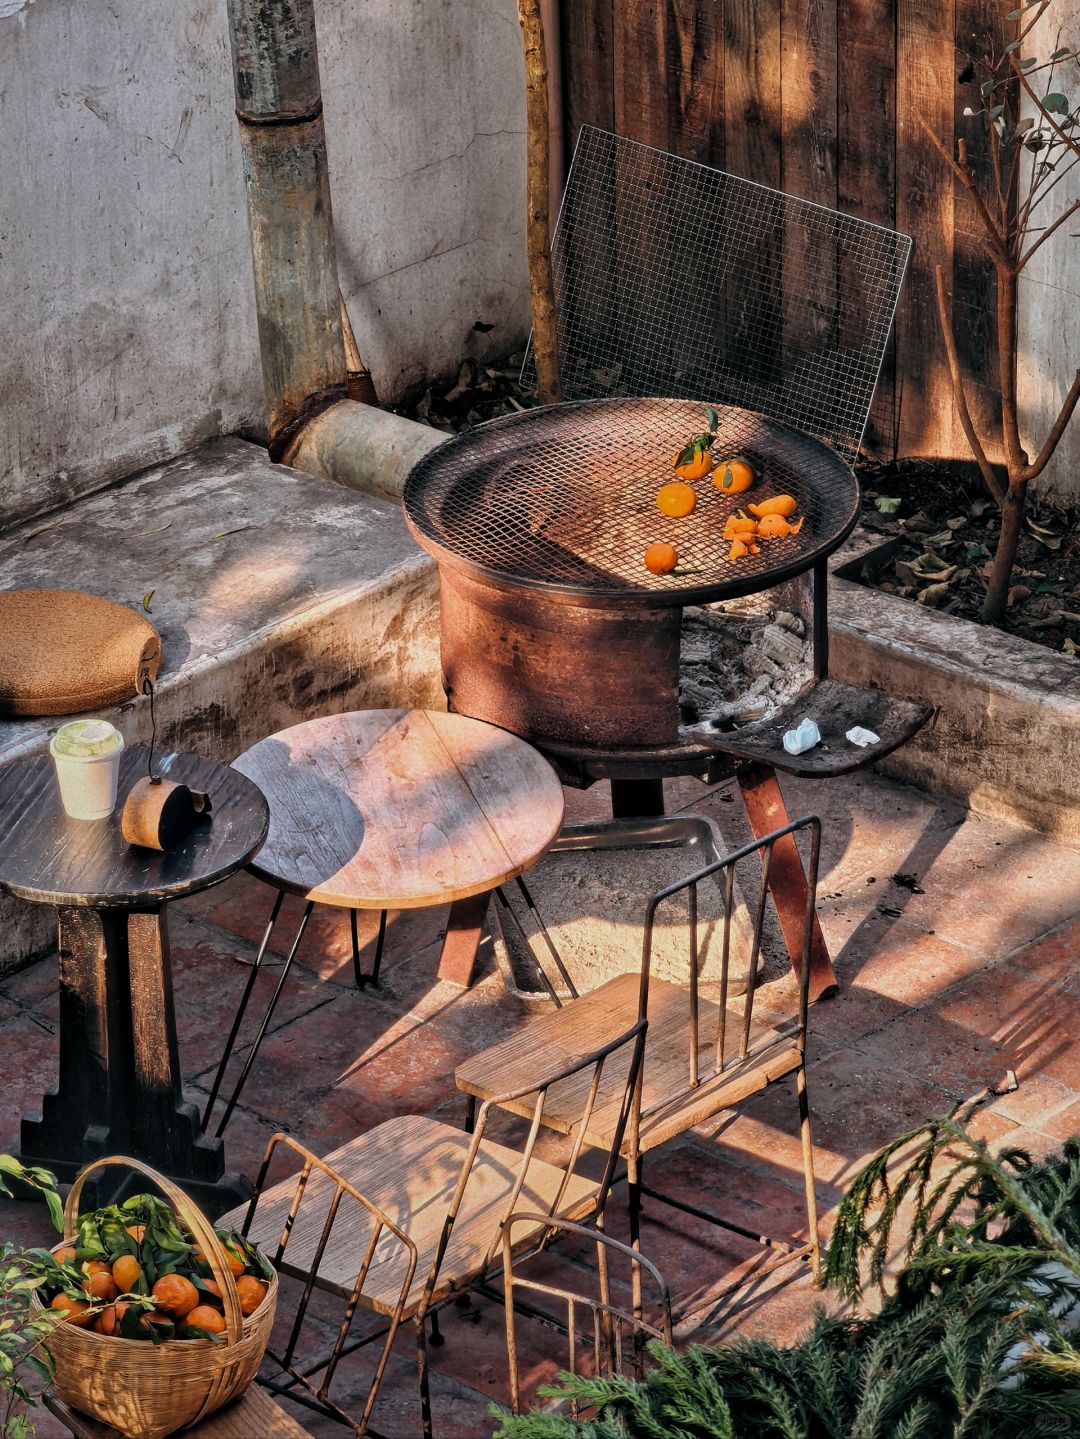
737,667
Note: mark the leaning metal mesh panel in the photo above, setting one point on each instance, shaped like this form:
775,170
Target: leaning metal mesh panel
672,278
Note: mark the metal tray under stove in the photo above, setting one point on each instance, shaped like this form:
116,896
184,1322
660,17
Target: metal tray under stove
563,499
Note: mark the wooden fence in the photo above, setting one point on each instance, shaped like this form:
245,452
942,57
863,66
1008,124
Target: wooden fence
818,98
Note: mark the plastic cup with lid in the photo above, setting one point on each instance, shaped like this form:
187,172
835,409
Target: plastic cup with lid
87,758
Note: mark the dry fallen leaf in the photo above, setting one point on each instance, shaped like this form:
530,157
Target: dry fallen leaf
146,600
238,530
1017,595
141,534
933,595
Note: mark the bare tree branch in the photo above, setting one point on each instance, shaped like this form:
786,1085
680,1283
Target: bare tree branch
1066,139
971,434
967,179
1057,430
1065,214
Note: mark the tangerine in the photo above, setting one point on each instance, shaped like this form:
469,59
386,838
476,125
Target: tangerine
775,527
101,1287
661,559
175,1294
136,1231
108,1321
96,1266
676,499
65,1254
213,1286
783,505
251,1293
696,467
204,1316
734,475
75,1311
127,1273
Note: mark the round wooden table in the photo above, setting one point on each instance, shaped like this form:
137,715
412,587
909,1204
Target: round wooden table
394,809
119,1088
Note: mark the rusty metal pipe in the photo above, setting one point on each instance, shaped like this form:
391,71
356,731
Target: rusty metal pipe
279,108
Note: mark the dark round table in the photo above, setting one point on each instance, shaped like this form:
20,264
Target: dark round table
119,1087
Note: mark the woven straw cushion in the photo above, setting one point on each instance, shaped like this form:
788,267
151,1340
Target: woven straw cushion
62,652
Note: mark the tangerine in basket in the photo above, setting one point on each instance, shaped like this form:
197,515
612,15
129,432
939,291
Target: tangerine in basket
66,1255
127,1273
251,1292
76,1311
204,1316
175,1295
101,1287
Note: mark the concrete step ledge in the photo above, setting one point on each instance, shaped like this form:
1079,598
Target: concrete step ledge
1005,738
278,596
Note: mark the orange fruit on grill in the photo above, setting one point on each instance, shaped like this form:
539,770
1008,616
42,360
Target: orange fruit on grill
75,1311
675,499
784,505
176,1295
733,475
251,1293
695,466
775,527
205,1317
127,1273
661,559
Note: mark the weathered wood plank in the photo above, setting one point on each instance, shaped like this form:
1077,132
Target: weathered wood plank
866,158
808,170
980,29
588,36
924,210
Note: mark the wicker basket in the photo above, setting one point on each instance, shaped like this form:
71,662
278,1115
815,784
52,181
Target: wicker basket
145,1390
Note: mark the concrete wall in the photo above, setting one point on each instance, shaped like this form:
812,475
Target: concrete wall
127,331
1050,296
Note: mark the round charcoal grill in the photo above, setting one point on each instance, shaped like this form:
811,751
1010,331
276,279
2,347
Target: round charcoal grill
551,625
564,499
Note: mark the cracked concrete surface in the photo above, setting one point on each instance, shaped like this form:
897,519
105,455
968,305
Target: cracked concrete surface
129,330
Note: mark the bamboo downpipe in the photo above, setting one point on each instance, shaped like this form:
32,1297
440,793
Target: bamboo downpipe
279,109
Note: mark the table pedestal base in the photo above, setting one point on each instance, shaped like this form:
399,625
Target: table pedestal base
119,1088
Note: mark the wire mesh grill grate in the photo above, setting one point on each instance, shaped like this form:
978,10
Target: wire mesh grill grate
672,278
564,498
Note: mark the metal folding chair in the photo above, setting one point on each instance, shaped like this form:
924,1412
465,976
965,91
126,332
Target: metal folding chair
610,1338
429,1204
702,1056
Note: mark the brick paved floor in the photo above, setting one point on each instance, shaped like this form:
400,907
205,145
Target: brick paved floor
941,992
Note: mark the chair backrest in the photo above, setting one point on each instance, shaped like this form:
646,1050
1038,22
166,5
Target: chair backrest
728,1048
611,1338
580,1078
336,1193
676,279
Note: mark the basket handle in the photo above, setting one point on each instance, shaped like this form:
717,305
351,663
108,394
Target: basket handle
202,1230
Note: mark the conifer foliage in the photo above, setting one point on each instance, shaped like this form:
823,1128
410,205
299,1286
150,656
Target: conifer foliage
974,1339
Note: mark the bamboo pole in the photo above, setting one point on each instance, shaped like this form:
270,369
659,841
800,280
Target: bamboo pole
541,285
279,107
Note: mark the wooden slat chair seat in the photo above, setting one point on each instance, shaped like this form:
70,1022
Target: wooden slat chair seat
255,1416
401,1218
668,1106
409,1168
701,1057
